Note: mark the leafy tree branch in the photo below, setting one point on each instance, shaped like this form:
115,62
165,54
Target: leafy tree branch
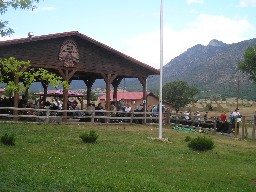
16,4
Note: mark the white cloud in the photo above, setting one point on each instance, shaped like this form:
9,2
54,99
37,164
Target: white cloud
44,9
146,47
195,1
247,3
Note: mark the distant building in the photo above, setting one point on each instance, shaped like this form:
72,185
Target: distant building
134,99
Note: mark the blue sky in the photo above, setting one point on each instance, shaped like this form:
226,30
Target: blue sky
132,26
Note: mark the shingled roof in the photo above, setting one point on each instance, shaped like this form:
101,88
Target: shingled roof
76,33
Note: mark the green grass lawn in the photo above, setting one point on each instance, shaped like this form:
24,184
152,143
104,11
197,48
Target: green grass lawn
54,158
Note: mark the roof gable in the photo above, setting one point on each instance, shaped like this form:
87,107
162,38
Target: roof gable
152,70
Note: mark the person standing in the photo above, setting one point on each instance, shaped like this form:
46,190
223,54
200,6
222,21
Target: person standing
206,116
223,117
236,116
198,116
187,116
223,121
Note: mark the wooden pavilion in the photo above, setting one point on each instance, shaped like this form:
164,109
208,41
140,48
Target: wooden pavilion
75,56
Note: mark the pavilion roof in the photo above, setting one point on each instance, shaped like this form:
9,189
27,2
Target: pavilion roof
76,33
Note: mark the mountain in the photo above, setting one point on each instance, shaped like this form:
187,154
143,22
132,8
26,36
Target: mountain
212,69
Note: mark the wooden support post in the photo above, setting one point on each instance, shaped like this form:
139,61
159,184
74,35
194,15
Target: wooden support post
168,116
236,128
108,78
89,82
45,86
66,74
143,81
89,94
65,104
214,125
47,114
132,115
115,96
253,131
16,99
115,83
243,121
16,93
93,115
244,128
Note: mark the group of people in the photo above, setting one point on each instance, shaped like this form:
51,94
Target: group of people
235,119
224,124
196,117
124,108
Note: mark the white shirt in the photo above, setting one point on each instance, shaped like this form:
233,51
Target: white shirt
237,115
128,109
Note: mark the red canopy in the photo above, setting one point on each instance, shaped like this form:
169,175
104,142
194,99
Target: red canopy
60,92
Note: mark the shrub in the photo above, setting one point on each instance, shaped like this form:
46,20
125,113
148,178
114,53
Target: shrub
201,144
90,137
188,138
8,139
208,107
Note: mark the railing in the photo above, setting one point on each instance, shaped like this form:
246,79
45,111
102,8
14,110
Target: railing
103,116
93,116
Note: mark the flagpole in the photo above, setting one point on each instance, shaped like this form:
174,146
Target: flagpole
161,73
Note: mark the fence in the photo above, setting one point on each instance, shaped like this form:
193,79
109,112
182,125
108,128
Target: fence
93,116
104,116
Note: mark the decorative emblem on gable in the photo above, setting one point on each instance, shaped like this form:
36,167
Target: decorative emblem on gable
69,53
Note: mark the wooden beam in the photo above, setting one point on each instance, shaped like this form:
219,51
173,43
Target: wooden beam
89,82
108,78
143,81
115,84
67,74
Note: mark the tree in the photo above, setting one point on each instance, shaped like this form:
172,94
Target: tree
179,94
248,64
16,4
12,70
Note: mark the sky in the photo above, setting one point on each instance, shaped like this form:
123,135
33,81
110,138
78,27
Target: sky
133,26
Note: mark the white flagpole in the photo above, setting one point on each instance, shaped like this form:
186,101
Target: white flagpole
161,73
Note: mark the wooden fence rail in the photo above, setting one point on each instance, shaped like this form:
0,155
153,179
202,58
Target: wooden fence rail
103,116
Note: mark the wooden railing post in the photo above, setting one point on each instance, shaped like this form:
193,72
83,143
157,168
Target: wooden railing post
244,128
132,115
236,128
168,116
253,131
215,125
93,116
47,114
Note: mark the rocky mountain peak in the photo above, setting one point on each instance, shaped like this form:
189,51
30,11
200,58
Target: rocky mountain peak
215,42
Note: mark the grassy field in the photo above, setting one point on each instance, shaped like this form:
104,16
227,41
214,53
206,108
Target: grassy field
53,158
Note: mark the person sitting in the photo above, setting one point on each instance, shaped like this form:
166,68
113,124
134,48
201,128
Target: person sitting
113,109
154,111
206,116
128,108
90,109
99,107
